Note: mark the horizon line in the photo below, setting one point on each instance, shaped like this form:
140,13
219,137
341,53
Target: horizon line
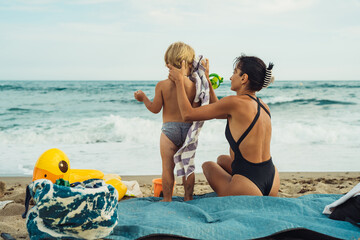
226,80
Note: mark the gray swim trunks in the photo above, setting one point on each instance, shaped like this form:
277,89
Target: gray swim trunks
176,131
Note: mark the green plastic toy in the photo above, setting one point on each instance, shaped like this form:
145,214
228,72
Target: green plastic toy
215,80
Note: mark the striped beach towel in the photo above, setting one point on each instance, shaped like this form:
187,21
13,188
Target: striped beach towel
184,157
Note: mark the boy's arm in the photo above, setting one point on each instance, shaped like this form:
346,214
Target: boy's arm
157,103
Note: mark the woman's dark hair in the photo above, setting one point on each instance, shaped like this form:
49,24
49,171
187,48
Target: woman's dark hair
255,68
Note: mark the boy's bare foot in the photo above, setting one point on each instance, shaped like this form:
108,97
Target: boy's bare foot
166,200
189,187
188,198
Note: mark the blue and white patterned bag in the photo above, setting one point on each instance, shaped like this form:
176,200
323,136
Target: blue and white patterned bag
86,211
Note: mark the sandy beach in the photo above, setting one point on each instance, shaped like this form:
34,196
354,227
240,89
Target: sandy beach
293,184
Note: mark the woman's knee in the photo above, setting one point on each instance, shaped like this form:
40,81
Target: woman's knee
206,166
225,161
220,158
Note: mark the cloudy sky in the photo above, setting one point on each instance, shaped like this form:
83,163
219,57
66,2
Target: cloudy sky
127,39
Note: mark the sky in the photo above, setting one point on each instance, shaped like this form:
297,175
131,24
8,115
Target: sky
127,39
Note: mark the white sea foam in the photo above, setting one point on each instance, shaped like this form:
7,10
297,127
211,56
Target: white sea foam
137,152
85,131
139,131
304,133
295,146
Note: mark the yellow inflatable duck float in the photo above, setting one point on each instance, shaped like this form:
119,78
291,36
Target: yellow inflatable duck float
53,164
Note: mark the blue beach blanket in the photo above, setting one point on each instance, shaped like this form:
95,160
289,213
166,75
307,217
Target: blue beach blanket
234,217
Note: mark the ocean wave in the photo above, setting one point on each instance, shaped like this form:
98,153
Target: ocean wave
86,131
314,85
141,84
90,87
49,87
329,85
332,102
6,127
56,89
7,87
32,88
311,133
320,102
122,100
135,131
18,110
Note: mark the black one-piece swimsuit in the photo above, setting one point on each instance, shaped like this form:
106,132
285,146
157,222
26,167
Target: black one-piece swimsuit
261,174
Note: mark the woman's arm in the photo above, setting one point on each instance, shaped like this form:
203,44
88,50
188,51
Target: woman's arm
157,103
218,109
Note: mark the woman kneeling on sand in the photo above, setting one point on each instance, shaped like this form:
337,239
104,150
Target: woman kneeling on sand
249,169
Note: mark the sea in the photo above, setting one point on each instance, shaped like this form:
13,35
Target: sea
99,125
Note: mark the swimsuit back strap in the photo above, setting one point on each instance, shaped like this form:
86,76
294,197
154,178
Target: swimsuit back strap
255,119
267,111
250,127
258,101
251,97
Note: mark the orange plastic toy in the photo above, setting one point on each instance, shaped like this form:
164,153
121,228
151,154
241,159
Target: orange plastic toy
157,187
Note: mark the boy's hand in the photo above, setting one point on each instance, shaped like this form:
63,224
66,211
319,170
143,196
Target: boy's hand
175,74
139,95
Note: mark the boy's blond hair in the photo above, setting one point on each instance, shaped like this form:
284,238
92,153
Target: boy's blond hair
177,52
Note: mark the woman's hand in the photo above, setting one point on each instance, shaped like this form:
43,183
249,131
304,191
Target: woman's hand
177,75
139,95
205,64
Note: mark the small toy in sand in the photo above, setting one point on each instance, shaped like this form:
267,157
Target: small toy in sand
53,165
157,187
